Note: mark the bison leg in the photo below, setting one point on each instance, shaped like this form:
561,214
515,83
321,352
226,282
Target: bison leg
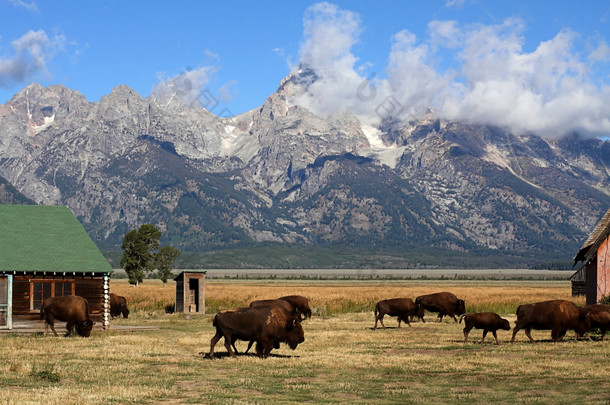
484,335
228,341
515,330
528,333
213,342
380,319
233,340
603,333
496,336
557,333
466,332
249,346
440,317
454,318
69,328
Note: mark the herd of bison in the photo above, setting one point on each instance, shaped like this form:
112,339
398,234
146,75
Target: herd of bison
271,322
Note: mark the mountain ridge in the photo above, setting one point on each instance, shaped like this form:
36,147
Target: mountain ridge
279,174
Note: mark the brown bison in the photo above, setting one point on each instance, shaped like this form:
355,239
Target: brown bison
299,302
403,308
268,326
444,303
488,321
276,303
118,306
557,315
285,305
597,316
72,309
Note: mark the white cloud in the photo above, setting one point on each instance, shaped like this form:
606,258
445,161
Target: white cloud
546,91
329,35
493,80
189,87
32,53
29,6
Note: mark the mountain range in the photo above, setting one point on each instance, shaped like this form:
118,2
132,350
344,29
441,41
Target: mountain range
281,176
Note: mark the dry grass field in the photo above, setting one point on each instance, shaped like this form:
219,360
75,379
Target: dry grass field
341,361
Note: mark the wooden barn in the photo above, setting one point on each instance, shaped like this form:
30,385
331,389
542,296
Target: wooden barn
46,252
593,278
190,292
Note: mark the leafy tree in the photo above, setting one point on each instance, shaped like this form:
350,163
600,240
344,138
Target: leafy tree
164,260
138,257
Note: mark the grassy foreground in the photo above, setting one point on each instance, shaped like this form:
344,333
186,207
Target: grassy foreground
341,361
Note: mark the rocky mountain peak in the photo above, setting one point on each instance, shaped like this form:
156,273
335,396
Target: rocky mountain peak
282,174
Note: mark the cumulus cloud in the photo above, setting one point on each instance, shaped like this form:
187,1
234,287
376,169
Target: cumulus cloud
32,52
329,34
493,80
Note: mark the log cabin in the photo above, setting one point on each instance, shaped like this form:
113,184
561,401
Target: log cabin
46,252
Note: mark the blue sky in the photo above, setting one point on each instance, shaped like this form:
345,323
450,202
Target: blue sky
242,50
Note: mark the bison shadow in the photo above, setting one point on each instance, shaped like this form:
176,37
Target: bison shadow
222,355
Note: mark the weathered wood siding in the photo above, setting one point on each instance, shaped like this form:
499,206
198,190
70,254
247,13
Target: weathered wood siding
179,294
88,287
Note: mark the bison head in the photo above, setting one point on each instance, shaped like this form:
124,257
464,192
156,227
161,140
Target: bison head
125,312
504,325
460,307
295,333
84,328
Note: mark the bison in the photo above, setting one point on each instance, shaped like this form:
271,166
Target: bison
597,316
72,309
269,303
276,303
299,302
403,308
444,303
488,321
268,326
557,315
118,306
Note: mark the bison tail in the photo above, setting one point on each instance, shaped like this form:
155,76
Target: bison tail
518,308
376,309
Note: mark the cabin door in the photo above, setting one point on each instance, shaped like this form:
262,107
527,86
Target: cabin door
6,302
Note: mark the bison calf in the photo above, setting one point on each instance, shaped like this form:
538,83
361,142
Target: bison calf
403,308
72,309
118,306
557,315
445,303
488,321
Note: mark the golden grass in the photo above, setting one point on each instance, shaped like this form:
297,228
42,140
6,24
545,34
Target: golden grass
332,297
341,361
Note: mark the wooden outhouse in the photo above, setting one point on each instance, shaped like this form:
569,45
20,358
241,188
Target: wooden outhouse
46,252
190,291
593,278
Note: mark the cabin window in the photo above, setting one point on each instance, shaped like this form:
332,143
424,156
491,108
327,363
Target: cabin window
40,290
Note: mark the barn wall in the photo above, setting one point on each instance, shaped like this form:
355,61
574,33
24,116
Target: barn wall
603,270
88,287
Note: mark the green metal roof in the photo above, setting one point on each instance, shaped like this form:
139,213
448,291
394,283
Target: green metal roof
46,239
